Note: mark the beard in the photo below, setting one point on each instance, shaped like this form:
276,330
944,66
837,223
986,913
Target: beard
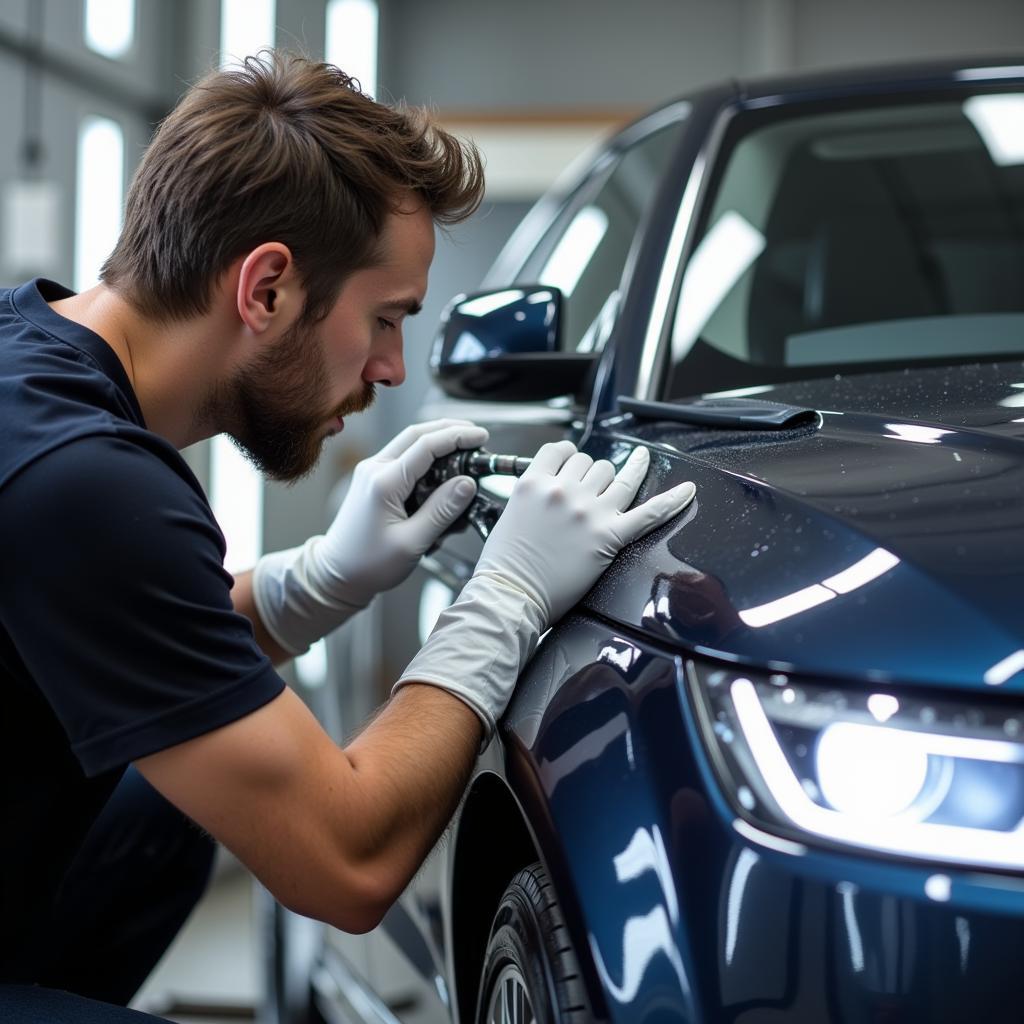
277,409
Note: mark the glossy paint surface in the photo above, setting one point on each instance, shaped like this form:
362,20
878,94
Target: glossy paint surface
920,473
686,918
498,323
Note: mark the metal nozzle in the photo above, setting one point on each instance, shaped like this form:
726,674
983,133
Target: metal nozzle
481,462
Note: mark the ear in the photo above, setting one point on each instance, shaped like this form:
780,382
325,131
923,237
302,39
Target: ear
268,288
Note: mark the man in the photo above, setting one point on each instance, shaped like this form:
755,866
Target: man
278,231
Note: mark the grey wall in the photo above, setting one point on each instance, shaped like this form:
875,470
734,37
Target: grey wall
44,39
485,54
542,54
831,32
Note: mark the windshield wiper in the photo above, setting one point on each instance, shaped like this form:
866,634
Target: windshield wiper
727,413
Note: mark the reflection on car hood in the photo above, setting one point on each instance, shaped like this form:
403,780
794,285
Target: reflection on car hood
886,542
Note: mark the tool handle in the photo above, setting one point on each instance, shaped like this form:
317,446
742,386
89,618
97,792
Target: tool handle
477,463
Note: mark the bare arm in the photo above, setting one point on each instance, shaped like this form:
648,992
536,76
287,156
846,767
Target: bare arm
334,834
242,599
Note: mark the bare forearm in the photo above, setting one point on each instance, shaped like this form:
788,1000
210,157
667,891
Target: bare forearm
334,834
242,599
410,769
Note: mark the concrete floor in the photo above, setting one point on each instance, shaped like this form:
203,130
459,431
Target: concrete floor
214,961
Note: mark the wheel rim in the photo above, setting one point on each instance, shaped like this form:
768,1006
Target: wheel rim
509,1002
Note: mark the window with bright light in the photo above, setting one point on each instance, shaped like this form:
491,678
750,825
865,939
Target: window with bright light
110,26
236,497
236,488
352,40
246,27
99,196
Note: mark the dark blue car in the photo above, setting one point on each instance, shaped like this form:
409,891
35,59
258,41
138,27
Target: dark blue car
771,769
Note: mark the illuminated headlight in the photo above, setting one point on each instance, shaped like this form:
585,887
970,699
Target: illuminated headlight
939,780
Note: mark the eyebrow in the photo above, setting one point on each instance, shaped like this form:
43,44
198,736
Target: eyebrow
408,306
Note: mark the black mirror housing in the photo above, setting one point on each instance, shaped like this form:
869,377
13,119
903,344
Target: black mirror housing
504,346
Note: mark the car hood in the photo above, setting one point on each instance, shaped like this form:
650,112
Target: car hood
883,542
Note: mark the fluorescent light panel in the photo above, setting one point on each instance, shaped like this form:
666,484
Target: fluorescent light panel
99,194
311,667
110,26
352,40
246,27
236,497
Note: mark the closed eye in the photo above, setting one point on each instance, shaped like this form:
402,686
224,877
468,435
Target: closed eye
385,324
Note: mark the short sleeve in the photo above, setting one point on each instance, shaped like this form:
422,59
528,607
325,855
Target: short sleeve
114,595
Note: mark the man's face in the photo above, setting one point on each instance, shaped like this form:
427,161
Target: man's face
294,395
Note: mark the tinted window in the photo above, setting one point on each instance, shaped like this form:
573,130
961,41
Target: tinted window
889,235
584,253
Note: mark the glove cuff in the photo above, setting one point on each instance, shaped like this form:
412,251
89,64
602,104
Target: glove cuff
288,592
479,646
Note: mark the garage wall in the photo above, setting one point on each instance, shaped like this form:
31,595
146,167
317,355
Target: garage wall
832,32
43,40
468,54
537,54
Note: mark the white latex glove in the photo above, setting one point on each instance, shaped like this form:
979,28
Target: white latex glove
564,523
372,545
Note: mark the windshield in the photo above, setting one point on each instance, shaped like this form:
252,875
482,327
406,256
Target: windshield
857,240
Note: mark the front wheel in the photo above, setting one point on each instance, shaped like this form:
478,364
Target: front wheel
531,974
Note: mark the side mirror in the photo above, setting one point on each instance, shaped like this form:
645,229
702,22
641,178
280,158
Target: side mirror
504,346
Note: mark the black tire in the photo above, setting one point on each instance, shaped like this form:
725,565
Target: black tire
530,973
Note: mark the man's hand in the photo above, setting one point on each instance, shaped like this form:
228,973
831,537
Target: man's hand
566,520
372,545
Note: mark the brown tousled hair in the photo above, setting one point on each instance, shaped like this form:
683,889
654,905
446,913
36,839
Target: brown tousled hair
279,149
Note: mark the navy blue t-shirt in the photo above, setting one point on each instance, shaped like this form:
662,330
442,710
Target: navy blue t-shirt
117,633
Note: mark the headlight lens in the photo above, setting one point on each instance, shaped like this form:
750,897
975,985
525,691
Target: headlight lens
935,780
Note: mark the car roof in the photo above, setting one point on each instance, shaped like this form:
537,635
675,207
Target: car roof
857,80
878,78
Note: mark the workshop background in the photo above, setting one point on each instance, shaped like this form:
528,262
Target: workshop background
534,83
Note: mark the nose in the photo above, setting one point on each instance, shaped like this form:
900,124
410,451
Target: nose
387,365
